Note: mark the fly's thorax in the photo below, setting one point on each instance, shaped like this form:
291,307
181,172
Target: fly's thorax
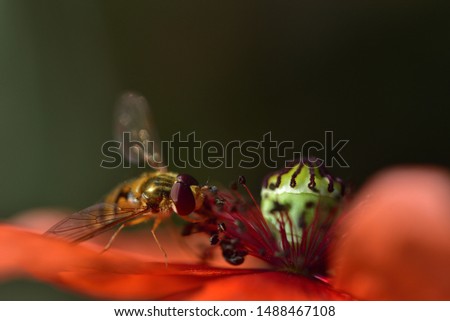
305,192
155,190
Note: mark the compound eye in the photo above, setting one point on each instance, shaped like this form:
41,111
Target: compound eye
187,179
183,198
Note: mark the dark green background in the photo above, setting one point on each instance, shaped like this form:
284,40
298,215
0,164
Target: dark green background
374,72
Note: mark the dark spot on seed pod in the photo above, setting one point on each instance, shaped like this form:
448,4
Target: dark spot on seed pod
277,208
301,221
272,186
310,204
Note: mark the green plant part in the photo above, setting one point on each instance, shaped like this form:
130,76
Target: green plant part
301,198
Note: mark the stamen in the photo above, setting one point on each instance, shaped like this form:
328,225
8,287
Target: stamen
242,182
214,239
221,227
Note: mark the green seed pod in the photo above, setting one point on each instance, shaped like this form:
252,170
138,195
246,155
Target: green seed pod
306,193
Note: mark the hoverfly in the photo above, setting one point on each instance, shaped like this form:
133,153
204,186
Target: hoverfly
153,195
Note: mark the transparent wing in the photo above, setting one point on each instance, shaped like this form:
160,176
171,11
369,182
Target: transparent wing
135,128
94,220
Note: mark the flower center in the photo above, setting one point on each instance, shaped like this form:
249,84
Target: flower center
291,231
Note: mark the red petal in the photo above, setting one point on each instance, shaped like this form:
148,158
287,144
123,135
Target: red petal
115,275
395,242
110,275
264,286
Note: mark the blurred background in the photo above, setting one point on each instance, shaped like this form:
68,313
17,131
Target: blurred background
375,73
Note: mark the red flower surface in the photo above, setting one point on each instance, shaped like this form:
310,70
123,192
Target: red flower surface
394,243
123,276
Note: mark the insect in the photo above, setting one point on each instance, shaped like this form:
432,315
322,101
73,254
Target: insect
306,191
152,196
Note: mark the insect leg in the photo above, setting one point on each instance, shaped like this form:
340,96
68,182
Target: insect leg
156,223
107,246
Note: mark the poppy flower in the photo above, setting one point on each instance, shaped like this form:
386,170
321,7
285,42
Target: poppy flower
392,243
133,275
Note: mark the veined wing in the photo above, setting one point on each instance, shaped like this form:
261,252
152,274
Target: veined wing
135,128
94,220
